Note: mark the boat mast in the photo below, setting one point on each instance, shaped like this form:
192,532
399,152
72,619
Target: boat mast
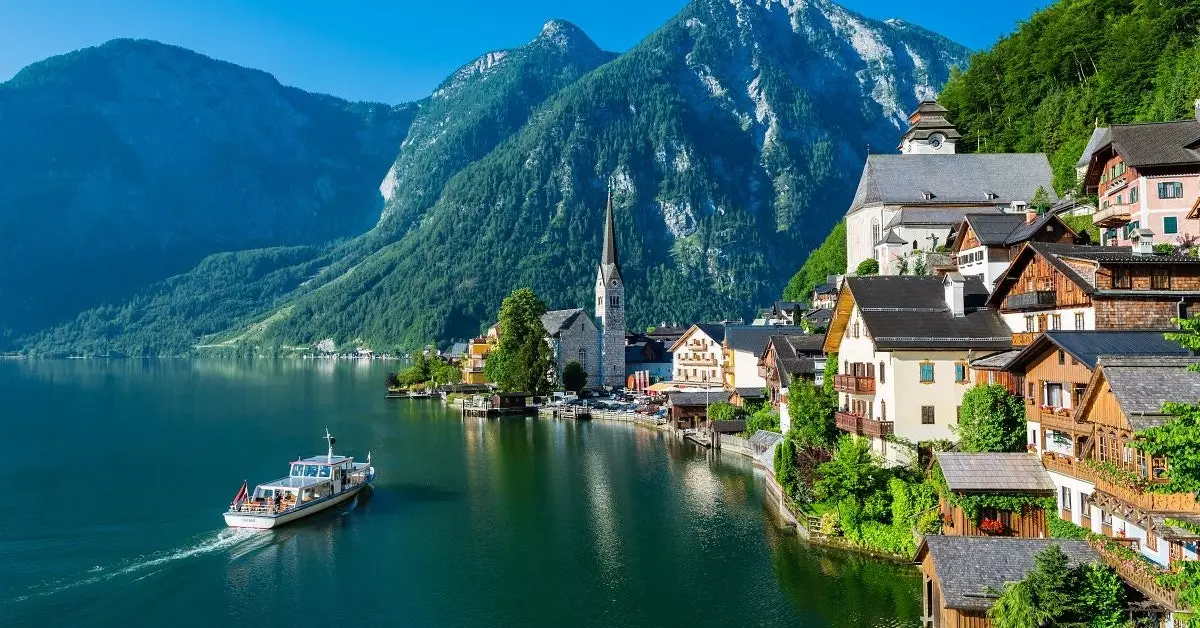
330,439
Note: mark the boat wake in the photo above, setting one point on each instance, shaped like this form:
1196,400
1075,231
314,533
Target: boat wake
239,541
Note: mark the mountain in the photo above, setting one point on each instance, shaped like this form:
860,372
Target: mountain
731,139
130,162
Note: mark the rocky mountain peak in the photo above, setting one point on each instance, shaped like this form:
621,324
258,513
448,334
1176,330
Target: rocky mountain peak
566,35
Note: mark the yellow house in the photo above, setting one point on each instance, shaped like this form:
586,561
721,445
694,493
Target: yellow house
476,358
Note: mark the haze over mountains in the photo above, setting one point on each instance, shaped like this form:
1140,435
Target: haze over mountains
731,139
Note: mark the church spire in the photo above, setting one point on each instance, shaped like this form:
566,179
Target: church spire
610,240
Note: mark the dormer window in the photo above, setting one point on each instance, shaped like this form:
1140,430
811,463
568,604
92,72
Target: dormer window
929,196
990,195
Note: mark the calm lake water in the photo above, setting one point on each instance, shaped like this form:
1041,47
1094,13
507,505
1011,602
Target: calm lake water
115,475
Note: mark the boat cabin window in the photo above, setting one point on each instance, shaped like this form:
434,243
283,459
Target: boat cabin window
310,470
323,472
297,470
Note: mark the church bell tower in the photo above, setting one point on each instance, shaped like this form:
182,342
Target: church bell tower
610,307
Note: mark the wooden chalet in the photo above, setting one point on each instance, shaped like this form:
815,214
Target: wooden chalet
1056,369
1063,286
961,574
1000,474
985,243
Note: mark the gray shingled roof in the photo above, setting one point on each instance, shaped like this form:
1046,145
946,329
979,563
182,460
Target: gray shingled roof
1088,346
754,338
1143,385
716,331
928,216
995,361
1099,138
794,355
750,392
906,312
693,398
735,426
956,179
1026,231
765,438
1157,143
993,229
972,569
994,472
557,320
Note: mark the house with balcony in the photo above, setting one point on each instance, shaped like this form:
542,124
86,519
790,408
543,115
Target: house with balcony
912,202
1117,490
697,357
1064,286
903,346
998,474
741,350
476,358
985,244
1145,176
786,359
1055,371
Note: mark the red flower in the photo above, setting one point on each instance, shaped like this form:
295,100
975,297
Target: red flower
991,526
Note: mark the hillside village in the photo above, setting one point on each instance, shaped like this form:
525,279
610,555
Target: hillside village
967,279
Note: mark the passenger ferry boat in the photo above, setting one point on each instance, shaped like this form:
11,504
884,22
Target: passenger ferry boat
312,485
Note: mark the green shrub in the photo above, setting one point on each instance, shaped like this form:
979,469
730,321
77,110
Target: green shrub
886,538
1062,529
869,266
878,506
851,517
829,525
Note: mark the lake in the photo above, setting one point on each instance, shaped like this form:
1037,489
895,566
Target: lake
117,473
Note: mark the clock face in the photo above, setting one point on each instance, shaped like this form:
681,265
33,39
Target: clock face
935,141
613,283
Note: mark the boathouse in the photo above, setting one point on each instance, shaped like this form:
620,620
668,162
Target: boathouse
973,477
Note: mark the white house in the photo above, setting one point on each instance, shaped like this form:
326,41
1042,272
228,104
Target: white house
697,356
903,345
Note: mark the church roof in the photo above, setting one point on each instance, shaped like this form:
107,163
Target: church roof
555,321
610,266
970,180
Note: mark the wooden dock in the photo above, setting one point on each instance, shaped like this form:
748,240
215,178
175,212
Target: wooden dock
698,438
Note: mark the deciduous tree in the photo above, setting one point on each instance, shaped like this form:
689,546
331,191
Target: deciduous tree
991,419
521,361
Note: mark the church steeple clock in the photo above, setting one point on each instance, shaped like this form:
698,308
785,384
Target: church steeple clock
610,307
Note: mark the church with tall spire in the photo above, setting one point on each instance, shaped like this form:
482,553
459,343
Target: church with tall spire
610,306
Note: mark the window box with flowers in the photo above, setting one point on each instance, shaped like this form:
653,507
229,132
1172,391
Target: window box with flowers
991,527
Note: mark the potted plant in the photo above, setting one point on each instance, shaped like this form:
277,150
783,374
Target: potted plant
991,527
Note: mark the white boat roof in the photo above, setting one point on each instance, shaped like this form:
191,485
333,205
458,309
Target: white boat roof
324,459
293,482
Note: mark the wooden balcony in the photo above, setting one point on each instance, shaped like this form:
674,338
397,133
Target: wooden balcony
1137,572
1031,300
697,361
1148,502
1023,338
854,384
861,426
1142,500
1112,216
1062,419
877,428
847,422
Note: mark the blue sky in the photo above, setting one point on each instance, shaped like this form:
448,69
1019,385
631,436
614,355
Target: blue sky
393,50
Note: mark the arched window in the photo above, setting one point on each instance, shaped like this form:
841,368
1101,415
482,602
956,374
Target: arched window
882,375
875,235
882,409
583,357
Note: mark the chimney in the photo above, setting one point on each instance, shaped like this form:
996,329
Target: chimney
1196,106
955,286
1143,242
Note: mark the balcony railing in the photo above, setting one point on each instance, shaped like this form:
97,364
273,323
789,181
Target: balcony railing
1056,418
1142,500
1031,300
1112,216
862,426
854,384
1023,338
877,428
698,361
1138,572
847,422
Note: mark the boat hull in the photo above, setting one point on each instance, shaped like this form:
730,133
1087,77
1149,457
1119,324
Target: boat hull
266,522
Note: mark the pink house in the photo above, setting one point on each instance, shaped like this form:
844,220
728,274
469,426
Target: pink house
1146,176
